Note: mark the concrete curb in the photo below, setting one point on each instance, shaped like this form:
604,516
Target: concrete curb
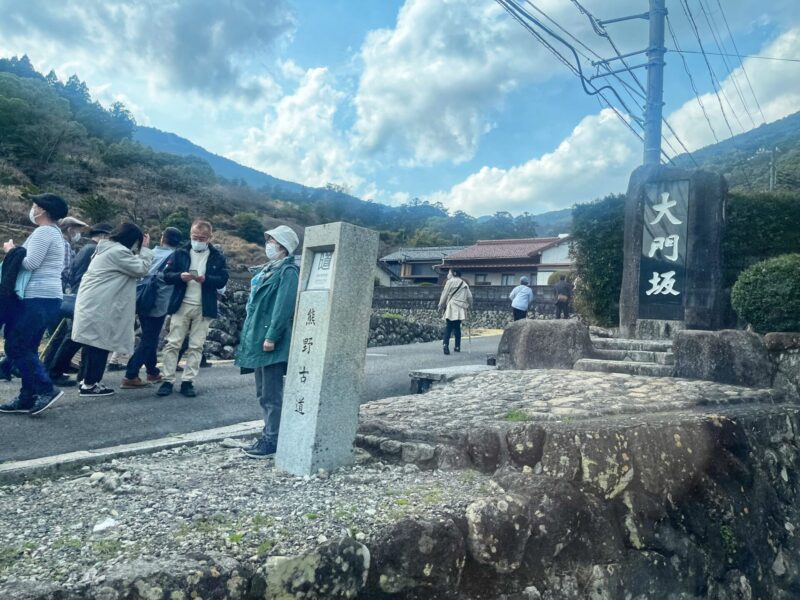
60,463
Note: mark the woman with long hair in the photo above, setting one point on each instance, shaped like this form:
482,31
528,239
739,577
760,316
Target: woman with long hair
105,309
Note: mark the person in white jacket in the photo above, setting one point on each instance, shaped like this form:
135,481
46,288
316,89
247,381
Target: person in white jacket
105,309
456,298
521,298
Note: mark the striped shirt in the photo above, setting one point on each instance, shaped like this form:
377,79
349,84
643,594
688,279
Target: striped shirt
44,258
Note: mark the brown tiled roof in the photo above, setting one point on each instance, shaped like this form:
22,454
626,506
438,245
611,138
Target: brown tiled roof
502,249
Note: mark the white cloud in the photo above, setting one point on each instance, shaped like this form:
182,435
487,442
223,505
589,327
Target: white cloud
595,159
298,139
428,85
776,85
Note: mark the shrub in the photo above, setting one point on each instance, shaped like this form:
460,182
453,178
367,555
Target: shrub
97,208
249,227
597,234
767,294
179,219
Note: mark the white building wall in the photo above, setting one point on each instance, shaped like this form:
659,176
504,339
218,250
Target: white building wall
556,254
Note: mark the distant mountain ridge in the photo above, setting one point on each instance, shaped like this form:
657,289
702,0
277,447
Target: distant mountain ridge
164,141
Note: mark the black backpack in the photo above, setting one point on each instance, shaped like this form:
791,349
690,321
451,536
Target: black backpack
147,289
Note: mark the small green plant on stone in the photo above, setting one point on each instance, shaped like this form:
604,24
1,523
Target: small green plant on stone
311,516
388,315
264,547
401,501
728,539
107,547
235,538
259,521
68,542
468,476
517,416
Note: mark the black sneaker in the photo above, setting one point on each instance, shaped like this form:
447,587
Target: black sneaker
115,367
17,405
62,381
165,389
41,402
446,349
98,389
456,349
261,449
187,389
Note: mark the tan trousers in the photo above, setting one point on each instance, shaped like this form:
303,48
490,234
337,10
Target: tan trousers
189,319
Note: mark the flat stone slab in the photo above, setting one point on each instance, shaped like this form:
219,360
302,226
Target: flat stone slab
449,373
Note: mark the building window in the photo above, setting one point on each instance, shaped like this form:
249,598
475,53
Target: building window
480,279
507,279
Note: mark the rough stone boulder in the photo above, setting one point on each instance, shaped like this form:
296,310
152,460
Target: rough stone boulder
499,529
419,555
555,344
784,350
727,356
335,570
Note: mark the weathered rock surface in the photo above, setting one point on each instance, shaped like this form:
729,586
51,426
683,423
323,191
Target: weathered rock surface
568,485
727,356
535,344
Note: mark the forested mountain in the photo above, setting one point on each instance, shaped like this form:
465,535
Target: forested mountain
163,141
745,159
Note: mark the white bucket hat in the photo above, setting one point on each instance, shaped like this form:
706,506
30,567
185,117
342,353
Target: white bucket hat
285,236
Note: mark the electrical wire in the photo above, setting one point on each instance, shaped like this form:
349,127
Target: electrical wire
753,56
712,26
691,81
741,62
714,81
600,30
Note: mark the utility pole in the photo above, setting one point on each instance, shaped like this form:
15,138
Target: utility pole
655,83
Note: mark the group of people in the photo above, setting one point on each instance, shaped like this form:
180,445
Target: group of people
456,300
103,278
108,279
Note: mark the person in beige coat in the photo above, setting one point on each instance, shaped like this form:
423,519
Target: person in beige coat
105,308
456,298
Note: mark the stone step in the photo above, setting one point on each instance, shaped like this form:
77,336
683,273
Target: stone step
661,358
625,344
618,366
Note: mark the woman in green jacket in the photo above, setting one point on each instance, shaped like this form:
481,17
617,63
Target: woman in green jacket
267,331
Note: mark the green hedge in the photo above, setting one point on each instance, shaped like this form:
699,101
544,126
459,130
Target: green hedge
597,234
767,294
758,226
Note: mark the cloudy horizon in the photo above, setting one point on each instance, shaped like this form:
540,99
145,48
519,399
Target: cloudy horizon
451,101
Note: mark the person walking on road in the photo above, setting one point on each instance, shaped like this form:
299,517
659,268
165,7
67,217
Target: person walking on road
521,298
267,332
71,232
105,309
456,298
41,301
563,297
197,271
152,321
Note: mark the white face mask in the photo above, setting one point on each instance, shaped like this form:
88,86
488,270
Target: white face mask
32,215
76,238
199,246
272,251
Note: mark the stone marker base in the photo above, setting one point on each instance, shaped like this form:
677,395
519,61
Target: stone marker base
656,329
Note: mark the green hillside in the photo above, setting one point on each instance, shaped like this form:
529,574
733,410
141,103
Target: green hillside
744,160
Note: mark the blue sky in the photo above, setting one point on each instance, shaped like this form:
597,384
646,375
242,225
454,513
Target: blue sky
449,100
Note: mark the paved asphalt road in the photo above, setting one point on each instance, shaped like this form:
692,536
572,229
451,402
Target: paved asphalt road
224,398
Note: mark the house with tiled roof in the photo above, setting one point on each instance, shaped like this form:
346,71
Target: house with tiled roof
503,262
415,265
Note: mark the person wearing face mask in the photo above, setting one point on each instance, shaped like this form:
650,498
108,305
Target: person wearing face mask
267,332
71,231
197,271
105,309
40,303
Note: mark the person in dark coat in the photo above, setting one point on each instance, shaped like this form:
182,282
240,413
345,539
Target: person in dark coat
197,271
563,297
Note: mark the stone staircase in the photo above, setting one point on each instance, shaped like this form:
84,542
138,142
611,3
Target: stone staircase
634,357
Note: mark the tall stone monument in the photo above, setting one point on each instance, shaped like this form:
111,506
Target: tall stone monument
325,375
672,276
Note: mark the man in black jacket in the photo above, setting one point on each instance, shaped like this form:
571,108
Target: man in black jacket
197,271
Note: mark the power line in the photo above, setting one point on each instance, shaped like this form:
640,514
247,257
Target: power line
741,62
691,81
712,26
754,56
714,81
600,30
